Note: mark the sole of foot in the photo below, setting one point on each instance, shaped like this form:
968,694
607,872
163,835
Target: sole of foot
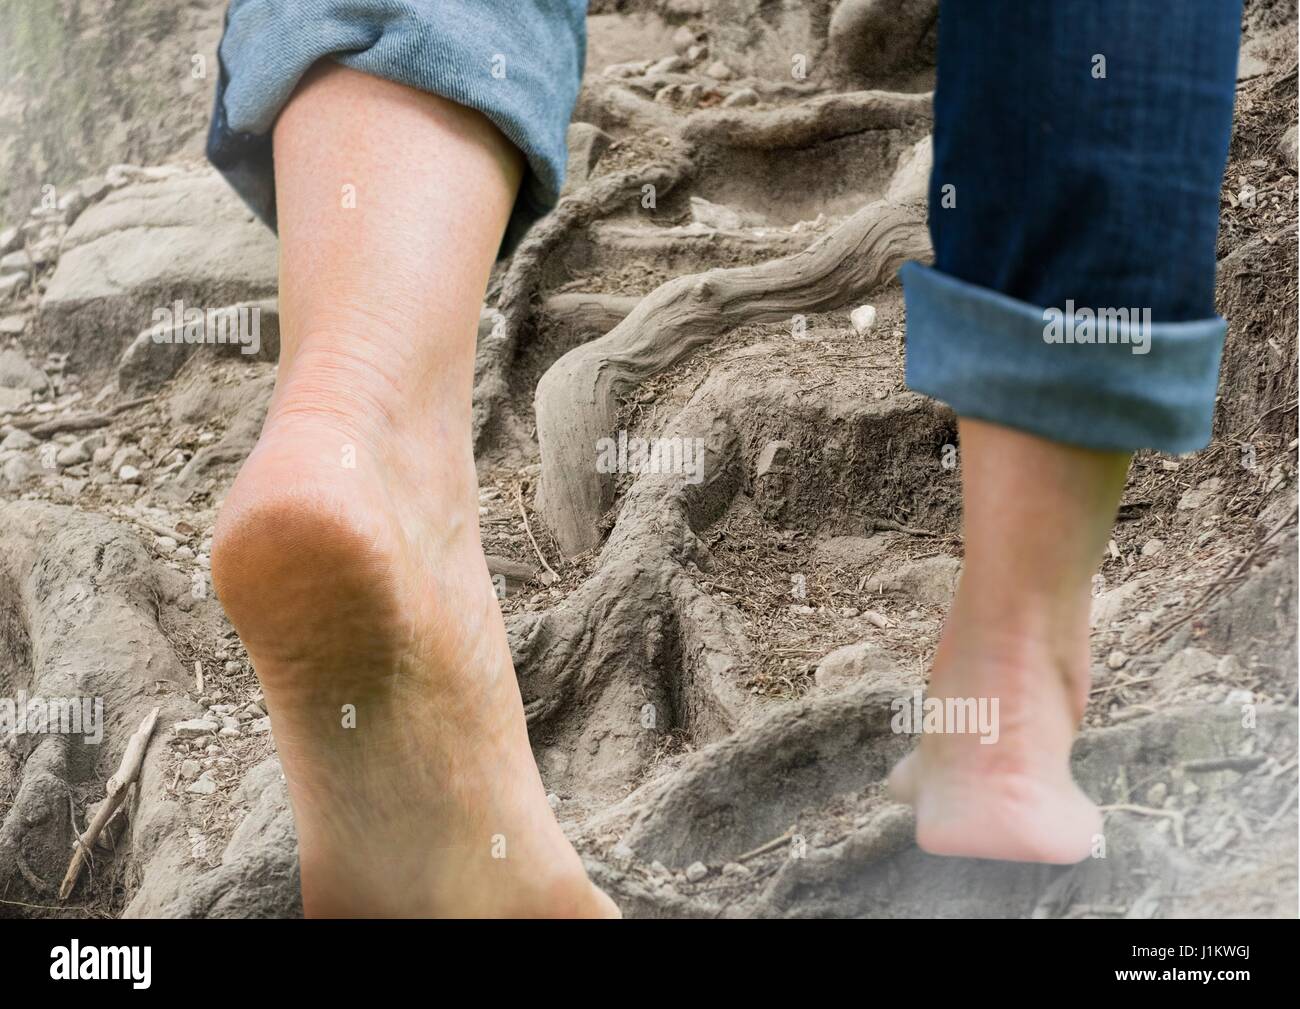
347,556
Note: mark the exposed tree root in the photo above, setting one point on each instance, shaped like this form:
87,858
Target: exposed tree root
812,121
519,286
79,596
577,398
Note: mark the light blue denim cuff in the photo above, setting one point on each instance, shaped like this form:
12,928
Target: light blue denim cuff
519,62
1095,377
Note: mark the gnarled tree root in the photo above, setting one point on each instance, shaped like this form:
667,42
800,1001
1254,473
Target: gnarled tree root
577,398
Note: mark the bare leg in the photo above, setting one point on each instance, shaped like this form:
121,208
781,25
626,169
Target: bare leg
347,553
1037,515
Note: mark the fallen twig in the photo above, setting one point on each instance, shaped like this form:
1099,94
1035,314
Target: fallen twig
548,574
763,849
77,421
115,795
1169,814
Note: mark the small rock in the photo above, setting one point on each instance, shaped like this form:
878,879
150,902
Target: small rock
714,215
1157,794
128,455
862,662
553,800
1229,668
233,667
719,71
16,372
741,98
696,871
13,399
734,869
203,785
683,39
659,869
195,727
863,318
228,732
189,770
1152,547
1116,660
667,65
18,470
261,726
773,459
19,441
128,474
165,545
633,69
1200,495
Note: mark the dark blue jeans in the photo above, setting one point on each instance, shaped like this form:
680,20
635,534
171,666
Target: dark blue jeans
1079,148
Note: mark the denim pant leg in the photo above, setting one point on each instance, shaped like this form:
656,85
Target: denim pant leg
519,62
1079,148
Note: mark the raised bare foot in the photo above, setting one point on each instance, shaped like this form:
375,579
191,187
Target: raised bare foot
1003,789
347,555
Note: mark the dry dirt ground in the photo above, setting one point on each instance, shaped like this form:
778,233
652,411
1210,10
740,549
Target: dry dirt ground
707,656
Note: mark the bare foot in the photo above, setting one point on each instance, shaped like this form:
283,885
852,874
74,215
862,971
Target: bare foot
347,555
1012,797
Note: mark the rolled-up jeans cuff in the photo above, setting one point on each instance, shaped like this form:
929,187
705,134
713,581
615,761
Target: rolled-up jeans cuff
994,358
518,62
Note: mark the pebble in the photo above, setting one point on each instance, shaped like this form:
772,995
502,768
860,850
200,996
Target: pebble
189,769
741,98
553,800
696,871
734,869
72,455
203,785
1152,547
18,440
1116,660
261,726
863,318
719,71
195,727
128,474
165,545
